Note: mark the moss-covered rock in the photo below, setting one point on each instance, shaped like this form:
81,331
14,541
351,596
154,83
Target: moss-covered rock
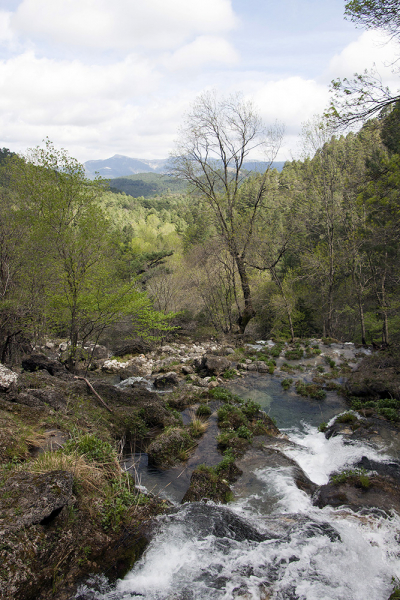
170,447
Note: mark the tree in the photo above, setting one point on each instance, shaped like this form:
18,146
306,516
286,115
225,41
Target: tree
375,14
73,247
219,133
358,99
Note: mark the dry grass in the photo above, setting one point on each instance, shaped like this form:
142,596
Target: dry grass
89,476
198,426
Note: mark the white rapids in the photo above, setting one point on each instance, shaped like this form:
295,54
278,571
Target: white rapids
295,551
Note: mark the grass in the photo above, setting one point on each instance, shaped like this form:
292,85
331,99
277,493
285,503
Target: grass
310,390
286,383
359,475
198,426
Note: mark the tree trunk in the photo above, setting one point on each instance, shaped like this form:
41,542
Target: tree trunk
248,313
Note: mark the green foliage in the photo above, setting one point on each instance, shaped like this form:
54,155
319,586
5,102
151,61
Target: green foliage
286,383
244,432
294,354
323,427
93,448
346,418
250,409
229,374
360,475
310,390
203,410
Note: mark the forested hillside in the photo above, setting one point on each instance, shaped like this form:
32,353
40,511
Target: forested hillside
321,250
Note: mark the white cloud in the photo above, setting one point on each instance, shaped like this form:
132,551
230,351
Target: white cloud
44,85
7,36
205,49
369,49
122,24
291,100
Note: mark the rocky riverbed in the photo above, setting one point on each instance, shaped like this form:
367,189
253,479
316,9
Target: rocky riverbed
68,509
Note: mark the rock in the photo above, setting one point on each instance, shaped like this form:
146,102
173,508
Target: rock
37,362
29,498
366,491
7,378
164,379
49,396
168,447
215,365
187,370
261,366
97,351
228,351
63,347
206,484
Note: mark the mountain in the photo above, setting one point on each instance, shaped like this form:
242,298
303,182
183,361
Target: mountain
122,166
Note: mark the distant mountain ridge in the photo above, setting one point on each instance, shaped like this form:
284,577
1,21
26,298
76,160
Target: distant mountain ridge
123,166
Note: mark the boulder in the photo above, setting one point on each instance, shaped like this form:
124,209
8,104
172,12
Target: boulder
206,484
215,365
49,396
165,379
7,378
29,498
38,362
169,447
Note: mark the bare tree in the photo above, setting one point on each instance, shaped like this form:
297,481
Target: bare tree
218,135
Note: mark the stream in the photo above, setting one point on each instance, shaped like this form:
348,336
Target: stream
270,542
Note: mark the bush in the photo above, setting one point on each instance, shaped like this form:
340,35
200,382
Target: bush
92,447
245,433
346,418
286,383
251,408
294,354
203,410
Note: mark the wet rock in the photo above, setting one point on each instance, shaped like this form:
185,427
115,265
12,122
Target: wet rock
215,365
206,484
37,362
29,498
372,491
165,379
7,378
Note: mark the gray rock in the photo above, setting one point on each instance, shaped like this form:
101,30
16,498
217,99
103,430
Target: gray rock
49,396
29,498
215,364
187,370
7,378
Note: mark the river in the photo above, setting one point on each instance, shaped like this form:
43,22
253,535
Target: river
270,542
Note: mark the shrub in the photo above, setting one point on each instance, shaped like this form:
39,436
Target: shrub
323,427
203,410
346,417
251,408
286,383
294,354
245,433
229,374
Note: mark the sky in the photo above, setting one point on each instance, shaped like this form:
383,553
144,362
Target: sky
101,78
